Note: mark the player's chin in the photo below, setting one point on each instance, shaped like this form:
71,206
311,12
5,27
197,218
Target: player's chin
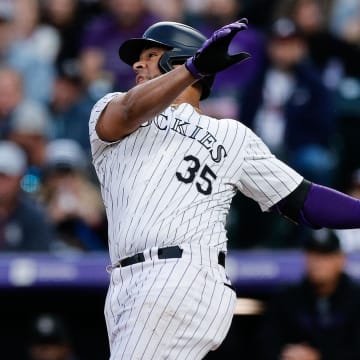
142,79
138,82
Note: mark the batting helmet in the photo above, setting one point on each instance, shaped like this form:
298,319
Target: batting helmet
181,40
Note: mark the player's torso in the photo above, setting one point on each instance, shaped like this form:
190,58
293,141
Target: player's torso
172,181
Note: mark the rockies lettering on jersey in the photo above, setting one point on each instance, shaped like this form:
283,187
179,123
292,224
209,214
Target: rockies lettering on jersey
205,138
197,162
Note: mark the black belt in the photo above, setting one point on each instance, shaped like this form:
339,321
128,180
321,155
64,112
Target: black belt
171,252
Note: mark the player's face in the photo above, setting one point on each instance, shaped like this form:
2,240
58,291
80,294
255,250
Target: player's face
147,68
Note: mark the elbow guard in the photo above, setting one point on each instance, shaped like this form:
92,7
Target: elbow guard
290,207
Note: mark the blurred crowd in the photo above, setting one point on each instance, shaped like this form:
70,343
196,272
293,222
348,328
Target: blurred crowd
300,91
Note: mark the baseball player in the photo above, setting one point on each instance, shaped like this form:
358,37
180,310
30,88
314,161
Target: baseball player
168,174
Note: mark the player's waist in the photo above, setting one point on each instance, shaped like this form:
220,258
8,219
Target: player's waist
205,256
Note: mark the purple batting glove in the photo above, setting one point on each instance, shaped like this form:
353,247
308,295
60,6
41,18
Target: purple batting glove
213,55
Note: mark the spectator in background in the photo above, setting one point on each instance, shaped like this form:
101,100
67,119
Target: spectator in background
72,201
345,20
289,107
11,95
338,62
24,225
30,129
95,79
173,11
49,339
318,318
260,12
292,111
334,57
121,20
223,102
348,115
33,50
6,16
70,106
68,17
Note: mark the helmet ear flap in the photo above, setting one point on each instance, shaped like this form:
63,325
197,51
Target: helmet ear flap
171,58
164,62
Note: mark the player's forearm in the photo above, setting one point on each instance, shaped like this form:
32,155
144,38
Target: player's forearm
146,100
318,206
150,98
325,207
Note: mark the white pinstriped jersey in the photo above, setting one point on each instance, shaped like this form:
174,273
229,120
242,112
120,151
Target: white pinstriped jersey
172,180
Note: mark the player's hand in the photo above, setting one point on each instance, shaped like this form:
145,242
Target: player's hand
213,56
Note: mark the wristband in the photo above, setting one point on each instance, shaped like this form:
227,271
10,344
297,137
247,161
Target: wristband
193,70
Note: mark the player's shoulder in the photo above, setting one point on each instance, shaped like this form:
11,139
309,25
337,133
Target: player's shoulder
223,121
234,126
101,104
233,123
103,101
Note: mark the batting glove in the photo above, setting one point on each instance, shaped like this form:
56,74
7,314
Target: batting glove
213,56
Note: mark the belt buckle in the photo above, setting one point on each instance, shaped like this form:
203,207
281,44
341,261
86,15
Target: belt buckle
170,252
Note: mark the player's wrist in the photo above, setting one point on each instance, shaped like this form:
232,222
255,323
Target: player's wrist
192,68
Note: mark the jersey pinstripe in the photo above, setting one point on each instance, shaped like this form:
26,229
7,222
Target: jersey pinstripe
171,181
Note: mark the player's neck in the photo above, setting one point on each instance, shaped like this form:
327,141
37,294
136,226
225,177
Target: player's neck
190,96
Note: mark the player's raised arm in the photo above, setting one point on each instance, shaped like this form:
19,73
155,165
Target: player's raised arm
126,112
158,83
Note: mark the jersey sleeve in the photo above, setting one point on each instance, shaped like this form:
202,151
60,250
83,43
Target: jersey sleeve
264,178
98,145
